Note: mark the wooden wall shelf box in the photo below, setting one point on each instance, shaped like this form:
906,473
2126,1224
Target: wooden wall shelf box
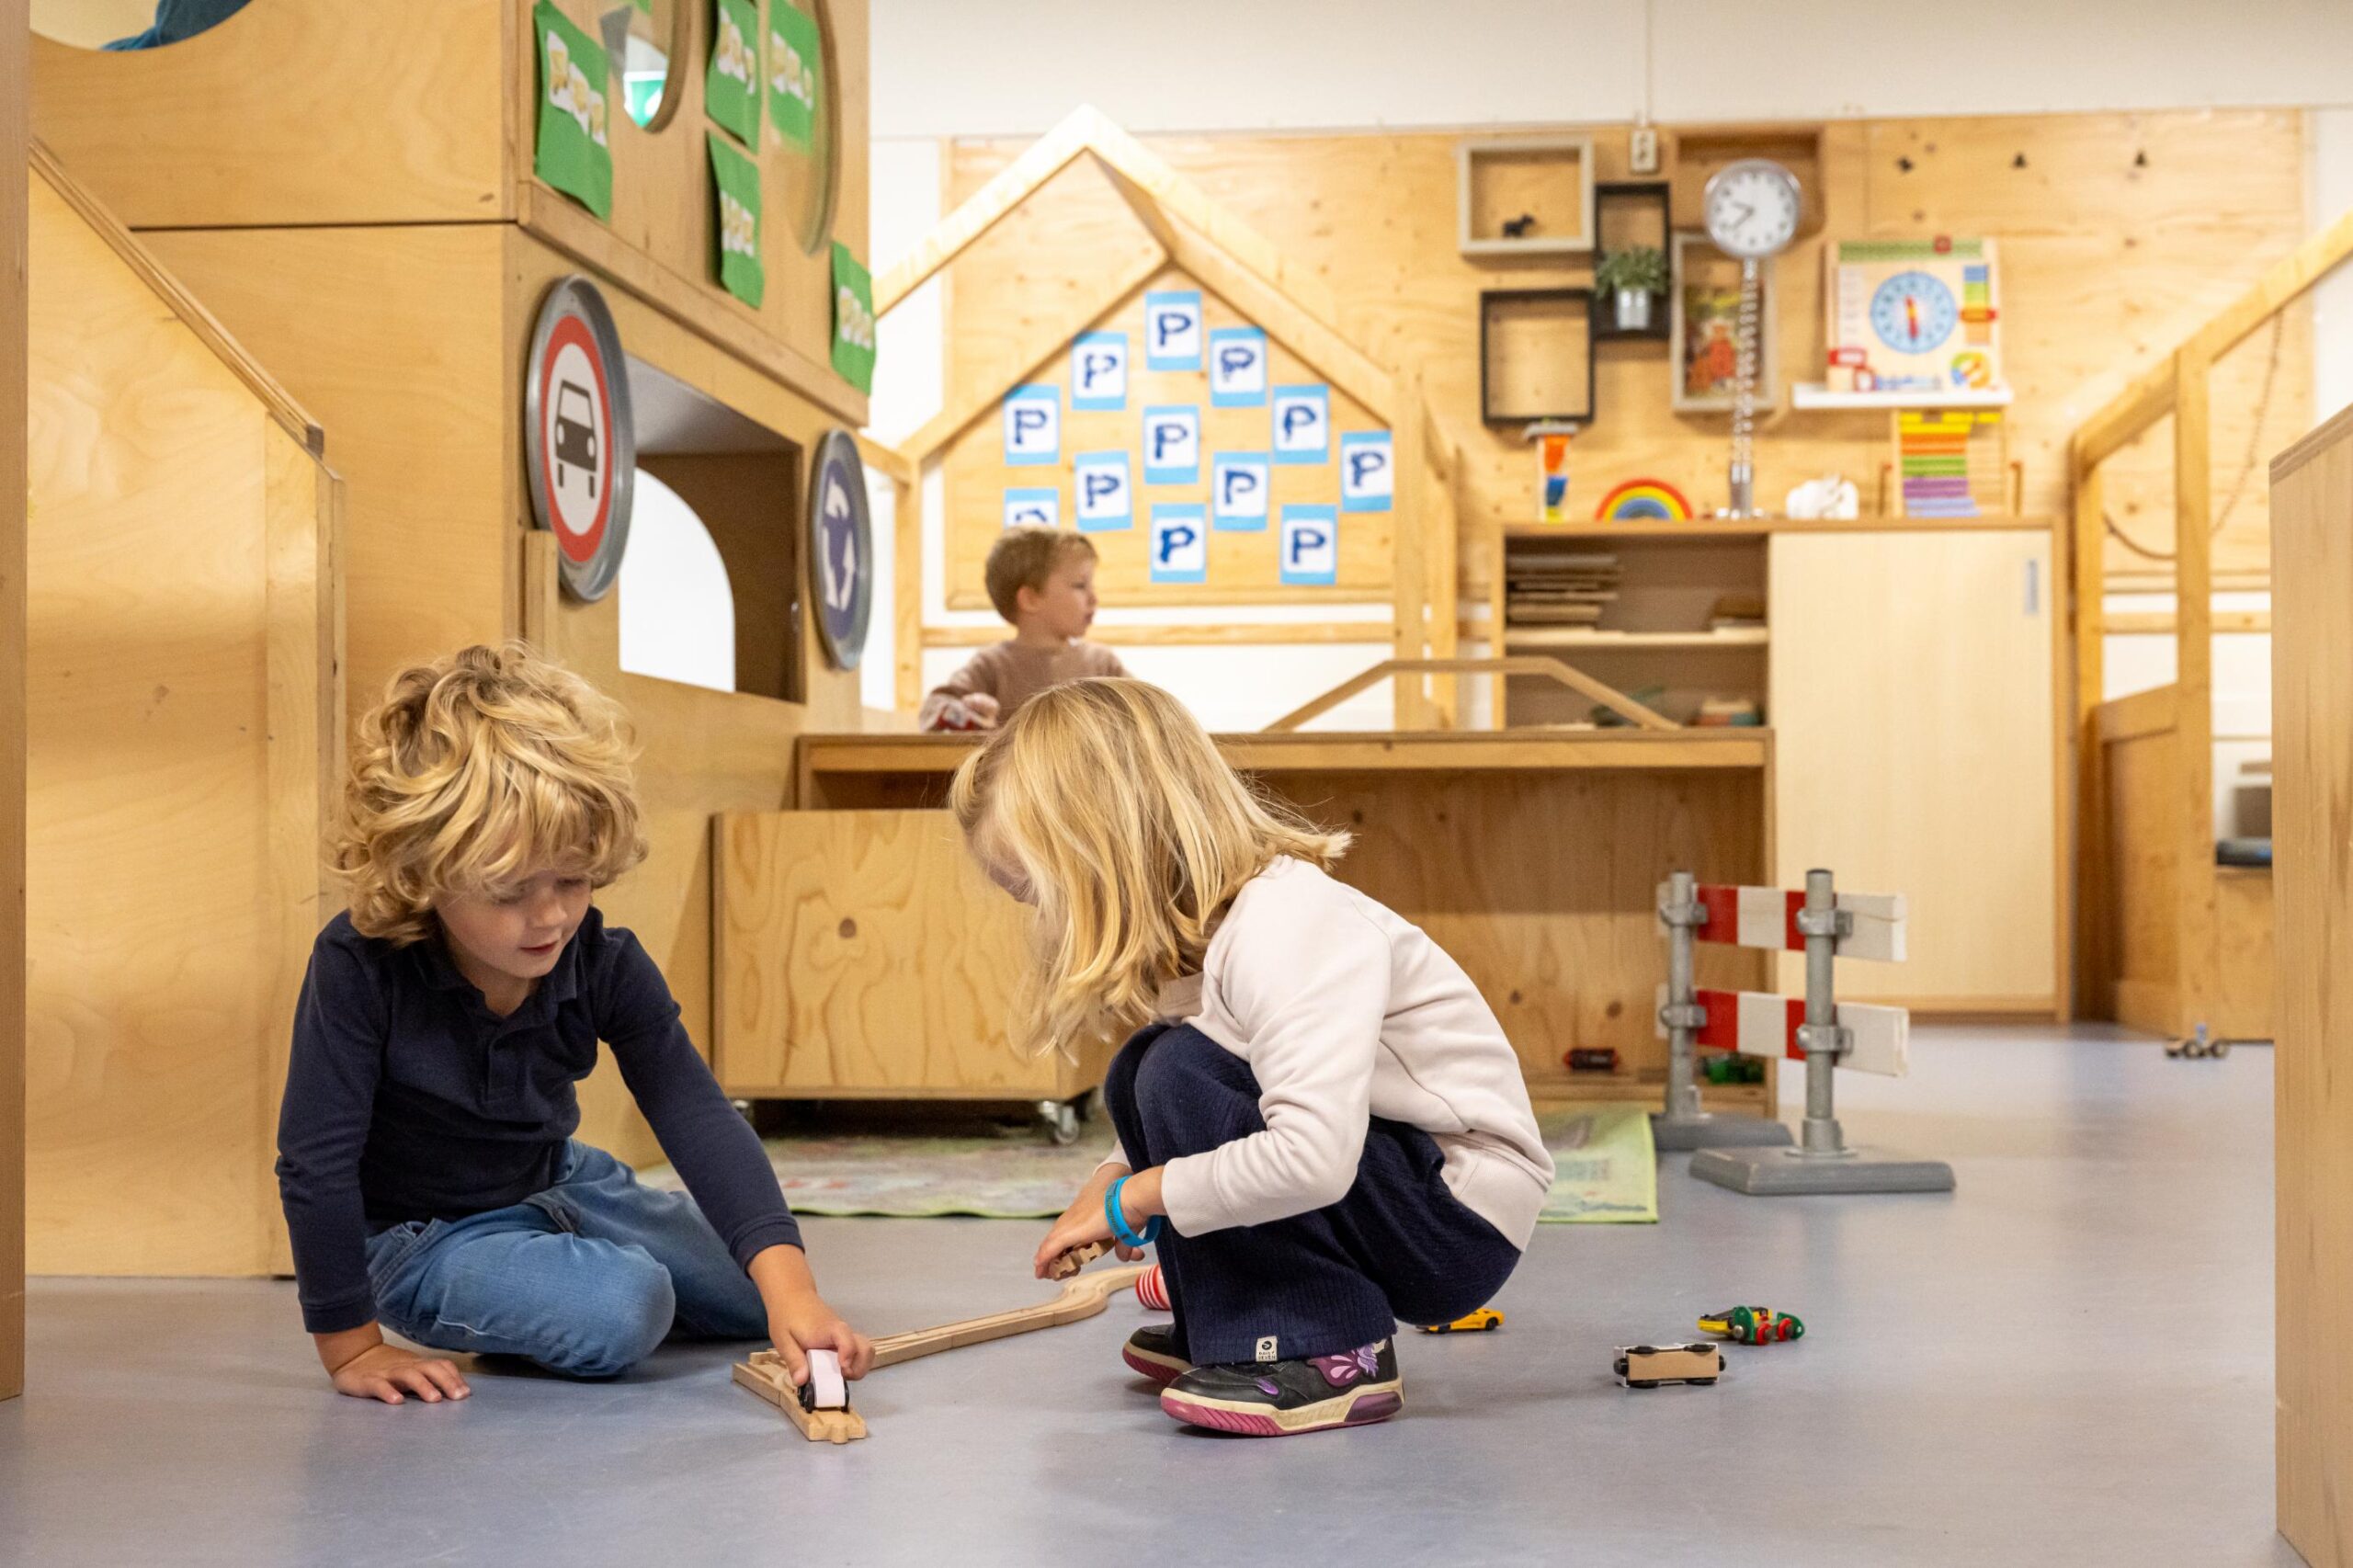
1536,356
1548,178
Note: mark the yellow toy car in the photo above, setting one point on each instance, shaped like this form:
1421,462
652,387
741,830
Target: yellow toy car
1484,1318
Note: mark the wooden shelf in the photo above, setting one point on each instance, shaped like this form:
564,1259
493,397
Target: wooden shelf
1595,637
1813,394
1757,527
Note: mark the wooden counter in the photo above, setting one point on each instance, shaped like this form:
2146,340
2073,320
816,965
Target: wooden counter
861,954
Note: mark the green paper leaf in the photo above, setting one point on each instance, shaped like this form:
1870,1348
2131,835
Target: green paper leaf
572,154
796,72
853,320
735,229
730,88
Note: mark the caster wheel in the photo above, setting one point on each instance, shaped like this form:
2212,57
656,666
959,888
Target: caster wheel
1062,1122
742,1109
2220,1048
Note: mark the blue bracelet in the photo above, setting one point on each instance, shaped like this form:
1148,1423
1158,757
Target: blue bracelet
1119,1218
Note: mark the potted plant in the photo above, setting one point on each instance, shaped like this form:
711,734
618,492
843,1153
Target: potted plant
1633,277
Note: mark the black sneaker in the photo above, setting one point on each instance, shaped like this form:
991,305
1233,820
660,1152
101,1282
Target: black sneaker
1281,1399
1152,1351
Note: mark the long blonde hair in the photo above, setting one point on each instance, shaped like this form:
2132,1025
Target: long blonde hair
1132,834
476,768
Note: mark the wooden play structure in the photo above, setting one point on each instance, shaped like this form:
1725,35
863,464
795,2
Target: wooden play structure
182,704
1408,561
2169,941
2311,666
350,195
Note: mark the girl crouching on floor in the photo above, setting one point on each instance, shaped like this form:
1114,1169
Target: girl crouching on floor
1316,1101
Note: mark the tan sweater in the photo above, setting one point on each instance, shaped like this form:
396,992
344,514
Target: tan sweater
1013,674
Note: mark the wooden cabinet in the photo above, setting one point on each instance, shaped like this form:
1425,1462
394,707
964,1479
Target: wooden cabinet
861,953
1910,696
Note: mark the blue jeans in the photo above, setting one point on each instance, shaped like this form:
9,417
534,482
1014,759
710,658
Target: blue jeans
585,1279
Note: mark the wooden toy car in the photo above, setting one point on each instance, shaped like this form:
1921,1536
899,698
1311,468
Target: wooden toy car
1469,1323
1647,1366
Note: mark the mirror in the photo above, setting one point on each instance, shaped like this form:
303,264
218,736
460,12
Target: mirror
128,24
641,37
809,176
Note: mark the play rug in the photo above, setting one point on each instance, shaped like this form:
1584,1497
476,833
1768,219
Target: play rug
1607,1176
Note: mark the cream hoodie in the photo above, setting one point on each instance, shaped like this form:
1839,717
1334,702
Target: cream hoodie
1344,1012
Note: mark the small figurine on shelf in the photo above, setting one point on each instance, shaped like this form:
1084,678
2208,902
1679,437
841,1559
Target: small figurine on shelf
1551,440
1829,496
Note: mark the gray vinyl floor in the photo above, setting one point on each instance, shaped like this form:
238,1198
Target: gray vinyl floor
2067,1362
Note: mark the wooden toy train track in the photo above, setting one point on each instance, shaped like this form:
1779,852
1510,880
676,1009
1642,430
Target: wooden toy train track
1083,1296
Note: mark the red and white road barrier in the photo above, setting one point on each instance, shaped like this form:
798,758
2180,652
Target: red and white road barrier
1151,1289
1768,917
1756,1023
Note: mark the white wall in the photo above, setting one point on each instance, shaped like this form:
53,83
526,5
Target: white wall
678,611
994,67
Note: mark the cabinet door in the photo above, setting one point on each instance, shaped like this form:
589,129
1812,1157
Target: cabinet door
862,953
1911,711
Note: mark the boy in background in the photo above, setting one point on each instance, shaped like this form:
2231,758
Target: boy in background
1042,581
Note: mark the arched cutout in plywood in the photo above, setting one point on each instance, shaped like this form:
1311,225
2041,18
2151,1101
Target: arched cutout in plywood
743,484
128,24
677,610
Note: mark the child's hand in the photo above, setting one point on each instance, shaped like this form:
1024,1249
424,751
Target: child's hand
382,1371
1081,1222
983,707
806,1323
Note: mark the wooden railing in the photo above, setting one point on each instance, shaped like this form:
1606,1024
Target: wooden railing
2167,813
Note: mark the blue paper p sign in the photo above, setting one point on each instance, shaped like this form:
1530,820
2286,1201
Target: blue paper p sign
1237,367
1033,426
1303,420
1171,329
1311,546
1100,481
1099,371
1172,445
1180,544
1239,489
1368,476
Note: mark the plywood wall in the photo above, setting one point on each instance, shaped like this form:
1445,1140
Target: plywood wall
179,647
2119,234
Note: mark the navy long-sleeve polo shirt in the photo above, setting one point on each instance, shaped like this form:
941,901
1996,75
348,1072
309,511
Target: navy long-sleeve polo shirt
407,1098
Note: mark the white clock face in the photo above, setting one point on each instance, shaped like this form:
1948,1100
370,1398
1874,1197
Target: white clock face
1751,207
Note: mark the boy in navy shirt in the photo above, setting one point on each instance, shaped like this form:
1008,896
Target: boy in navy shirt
426,1157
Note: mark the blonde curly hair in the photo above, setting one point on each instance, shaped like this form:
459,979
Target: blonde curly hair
1109,807
477,770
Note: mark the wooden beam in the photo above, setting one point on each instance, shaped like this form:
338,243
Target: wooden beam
1160,634
2152,713
281,403
1408,557
906,595
1013,185
14,43
2282,283
2193,468
2149,396
2142,623
2079,556
1515,665
990,383
2146,399
888,461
